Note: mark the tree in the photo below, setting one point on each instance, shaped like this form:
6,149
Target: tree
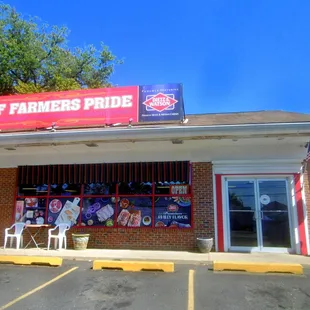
35,57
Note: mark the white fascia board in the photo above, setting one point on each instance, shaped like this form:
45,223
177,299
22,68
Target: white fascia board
161,133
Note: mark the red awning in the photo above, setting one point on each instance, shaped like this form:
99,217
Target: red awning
108,172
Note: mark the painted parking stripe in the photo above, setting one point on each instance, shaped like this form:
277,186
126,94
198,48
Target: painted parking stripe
38,288
191,294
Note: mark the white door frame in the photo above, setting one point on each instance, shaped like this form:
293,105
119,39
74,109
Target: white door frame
291,214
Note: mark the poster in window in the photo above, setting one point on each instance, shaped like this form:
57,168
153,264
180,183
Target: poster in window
173,212
98,211
135,212
64,210
19,210
33,210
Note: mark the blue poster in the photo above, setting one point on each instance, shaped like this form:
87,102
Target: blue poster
174,212
161,103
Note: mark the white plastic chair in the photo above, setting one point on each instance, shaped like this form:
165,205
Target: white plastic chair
60,237
18,234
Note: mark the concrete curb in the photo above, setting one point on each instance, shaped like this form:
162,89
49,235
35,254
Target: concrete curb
31,260
258,267
133,265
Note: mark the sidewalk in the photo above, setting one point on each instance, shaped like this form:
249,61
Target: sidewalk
175,256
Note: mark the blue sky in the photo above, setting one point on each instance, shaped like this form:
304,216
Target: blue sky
231,55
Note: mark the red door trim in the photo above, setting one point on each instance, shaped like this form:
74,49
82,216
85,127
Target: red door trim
219,211
300,215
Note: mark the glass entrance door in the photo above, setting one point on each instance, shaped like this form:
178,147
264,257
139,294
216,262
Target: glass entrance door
274,214
258,215
242,214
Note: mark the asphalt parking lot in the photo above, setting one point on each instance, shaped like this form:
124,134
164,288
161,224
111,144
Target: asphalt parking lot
76,286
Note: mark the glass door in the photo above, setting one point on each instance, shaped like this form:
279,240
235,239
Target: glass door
274,214
258,215
243,230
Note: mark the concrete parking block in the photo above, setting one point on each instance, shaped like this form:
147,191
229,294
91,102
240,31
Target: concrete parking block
133,265
258,267
31,260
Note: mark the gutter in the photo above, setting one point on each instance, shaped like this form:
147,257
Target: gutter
161,133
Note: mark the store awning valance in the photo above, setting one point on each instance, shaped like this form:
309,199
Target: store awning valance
33,174
107,172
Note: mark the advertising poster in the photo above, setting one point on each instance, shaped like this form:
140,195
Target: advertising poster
174,212
98,211
34,211
161,103
134,212
63,210
19,210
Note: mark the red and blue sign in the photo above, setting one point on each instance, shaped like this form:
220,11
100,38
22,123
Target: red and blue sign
92,107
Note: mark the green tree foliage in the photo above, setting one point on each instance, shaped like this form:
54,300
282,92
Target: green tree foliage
35,57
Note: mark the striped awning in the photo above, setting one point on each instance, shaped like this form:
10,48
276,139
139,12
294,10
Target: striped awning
33,174
107,172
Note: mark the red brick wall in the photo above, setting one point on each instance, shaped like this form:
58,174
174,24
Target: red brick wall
142,238
7,196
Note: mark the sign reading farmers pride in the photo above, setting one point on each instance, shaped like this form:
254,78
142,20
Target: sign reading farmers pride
161,102
91,107
70,108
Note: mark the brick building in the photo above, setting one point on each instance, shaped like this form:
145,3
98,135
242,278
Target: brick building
243,172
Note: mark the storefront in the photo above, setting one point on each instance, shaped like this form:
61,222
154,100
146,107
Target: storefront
160,183
125,195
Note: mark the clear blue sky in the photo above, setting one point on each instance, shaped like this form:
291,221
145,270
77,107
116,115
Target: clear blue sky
231,55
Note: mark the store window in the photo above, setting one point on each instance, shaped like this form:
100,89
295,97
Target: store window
32,190
134,204
65,189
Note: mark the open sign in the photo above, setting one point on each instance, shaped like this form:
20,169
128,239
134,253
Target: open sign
179,189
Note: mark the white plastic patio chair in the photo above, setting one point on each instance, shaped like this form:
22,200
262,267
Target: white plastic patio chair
18,234
60,237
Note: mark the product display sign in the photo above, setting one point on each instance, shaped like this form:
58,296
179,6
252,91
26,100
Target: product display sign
161,102
92,107
63,210
19,210
174,212
98,211
31,210
134,212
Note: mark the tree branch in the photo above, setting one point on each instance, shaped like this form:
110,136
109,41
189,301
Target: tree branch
18,77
